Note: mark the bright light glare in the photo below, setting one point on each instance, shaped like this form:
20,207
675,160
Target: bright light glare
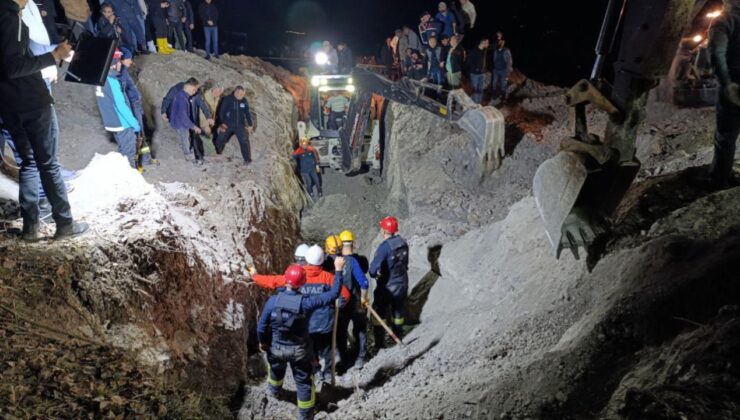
322,58
698,38
350,89
315,82
715,14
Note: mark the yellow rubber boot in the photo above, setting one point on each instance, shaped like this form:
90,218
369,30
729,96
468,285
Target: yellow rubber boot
163,47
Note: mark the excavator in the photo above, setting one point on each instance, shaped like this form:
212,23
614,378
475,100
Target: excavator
578,189
484,124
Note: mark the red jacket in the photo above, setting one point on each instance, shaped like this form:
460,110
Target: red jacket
314,275
321,320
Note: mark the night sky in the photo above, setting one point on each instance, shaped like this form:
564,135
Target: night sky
551,41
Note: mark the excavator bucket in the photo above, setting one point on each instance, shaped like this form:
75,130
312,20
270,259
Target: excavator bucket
487,126
575,196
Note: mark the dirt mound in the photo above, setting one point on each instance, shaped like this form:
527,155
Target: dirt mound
157,286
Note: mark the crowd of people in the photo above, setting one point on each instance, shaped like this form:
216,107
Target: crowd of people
436,53
325,286
141,26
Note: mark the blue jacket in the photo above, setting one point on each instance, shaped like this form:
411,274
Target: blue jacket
127,10
447,22
180,112
354,276
114,106
308,304
307,158
391,263
132,93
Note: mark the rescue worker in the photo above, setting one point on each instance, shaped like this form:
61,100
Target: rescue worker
724,46
321,321
355,311
309,166
287,314
236,120
299,255
332,249
390,268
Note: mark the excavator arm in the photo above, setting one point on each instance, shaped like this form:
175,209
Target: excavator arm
578,190
485,124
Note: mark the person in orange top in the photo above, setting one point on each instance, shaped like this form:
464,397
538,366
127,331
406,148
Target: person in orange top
321,321
309,166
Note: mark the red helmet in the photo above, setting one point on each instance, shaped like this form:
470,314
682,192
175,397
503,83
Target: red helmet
295,276
389,224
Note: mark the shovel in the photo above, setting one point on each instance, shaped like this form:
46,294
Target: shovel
385,326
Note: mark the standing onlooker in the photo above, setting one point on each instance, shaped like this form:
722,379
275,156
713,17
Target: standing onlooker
503,65
445,41
118,116
78,11
459,18
28,116
208,13
49,15
428,28
419,66
403,44
332,65
176,18
235,120
479,65
188,24
454,63
309,165
109,26
157,20
435,63
181,116
386,56
130,14
346,58
407,63
447,19
413,39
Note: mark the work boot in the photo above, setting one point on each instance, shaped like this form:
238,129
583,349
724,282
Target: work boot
71,230
305,414
31,233
274,391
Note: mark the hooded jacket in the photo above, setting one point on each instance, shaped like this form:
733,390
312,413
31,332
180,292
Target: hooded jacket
21,85
317,281
114,106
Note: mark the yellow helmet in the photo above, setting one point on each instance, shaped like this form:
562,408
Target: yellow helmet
331,246
346,236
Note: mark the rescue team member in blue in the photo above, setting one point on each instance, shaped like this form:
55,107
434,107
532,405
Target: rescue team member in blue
287,314
390,267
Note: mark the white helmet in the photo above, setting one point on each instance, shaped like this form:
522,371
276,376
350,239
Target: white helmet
315,255
300,252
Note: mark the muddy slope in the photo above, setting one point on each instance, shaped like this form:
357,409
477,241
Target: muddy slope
154,296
